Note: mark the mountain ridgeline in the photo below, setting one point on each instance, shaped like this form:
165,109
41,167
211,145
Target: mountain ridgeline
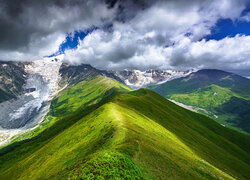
74,74
98,128
225,96
140,79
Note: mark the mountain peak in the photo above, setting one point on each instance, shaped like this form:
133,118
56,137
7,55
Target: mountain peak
213,71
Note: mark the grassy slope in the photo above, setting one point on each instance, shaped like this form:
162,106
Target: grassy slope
113,132
237,112
204,136
211,96
214,94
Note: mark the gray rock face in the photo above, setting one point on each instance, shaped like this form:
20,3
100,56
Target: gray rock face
18,112
74,74
40,83
12,79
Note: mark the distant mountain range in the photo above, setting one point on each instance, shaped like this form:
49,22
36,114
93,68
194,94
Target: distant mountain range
138,79
133,78
224,96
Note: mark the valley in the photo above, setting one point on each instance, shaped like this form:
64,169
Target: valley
224,96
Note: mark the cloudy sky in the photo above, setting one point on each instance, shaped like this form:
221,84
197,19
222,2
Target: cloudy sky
142,34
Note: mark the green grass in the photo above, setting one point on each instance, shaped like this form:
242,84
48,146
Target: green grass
208,97
87,93
213,99
111,132
216,92
105,165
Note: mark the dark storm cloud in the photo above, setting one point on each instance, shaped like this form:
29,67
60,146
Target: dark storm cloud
127,9
25,22
20,20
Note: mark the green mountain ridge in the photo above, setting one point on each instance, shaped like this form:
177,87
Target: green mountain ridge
215,91
99,128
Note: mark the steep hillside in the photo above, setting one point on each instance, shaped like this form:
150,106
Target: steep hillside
224,95
99,128
74,74
12,79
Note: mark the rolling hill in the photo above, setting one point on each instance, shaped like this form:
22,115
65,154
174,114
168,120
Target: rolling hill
99,128
224,96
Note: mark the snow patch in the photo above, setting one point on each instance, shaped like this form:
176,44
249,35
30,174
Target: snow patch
138,79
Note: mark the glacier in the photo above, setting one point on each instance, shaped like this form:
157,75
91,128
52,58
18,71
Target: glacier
27,110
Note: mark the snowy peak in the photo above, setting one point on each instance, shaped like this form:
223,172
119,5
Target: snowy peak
138,79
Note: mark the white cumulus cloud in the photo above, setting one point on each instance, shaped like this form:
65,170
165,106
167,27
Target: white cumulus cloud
167,35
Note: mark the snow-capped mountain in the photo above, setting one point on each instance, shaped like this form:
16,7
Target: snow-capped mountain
138,79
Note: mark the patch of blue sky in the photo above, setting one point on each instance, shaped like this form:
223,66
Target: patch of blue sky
72,40
228,28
